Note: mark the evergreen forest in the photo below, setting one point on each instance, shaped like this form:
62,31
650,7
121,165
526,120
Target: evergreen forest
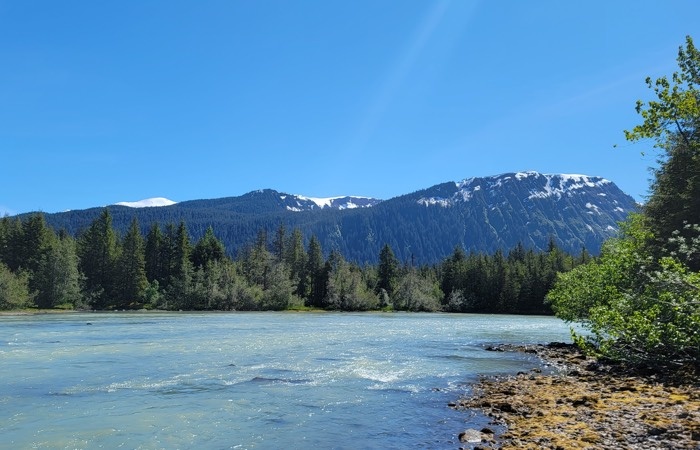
102,269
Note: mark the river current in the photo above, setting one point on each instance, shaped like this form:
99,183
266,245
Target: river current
250,380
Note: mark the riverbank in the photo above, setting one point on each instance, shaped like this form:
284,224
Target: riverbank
583,404
34,312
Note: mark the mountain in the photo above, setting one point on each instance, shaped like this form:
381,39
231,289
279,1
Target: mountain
480,214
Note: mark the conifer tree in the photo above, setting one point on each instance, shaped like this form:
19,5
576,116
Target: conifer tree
178,291
97,249
10,239
155,257
316,274
388,270
131,270
296,260
35,241
59,276
279,244
208,249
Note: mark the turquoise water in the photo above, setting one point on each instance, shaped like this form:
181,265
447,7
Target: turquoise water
249,380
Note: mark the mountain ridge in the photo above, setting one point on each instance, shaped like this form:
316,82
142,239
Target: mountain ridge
481,214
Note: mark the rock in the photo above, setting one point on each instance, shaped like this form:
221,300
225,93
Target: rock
657,431
585,404
471,436
506,407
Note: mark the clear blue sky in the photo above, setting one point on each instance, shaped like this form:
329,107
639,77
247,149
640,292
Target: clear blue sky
103,102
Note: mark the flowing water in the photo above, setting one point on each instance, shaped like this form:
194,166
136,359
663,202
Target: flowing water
250,380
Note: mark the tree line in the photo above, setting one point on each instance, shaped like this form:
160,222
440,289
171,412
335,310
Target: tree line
103,270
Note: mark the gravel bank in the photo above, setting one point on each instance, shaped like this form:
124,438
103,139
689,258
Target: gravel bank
584,405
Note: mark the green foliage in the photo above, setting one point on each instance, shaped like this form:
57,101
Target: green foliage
388,270
417,293
14,289
130,290
638,309
59,278
166,272
155,256
673,122
152,296
640,301
97,250
208,249
296,258
517,283
347,291
316,274
604,280
677,108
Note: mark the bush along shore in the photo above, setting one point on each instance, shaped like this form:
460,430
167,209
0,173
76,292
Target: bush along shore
584,403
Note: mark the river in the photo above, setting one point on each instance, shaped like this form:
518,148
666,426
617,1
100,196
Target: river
250,380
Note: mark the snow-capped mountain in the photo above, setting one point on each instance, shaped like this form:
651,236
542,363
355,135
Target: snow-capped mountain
148,203
529,207
535,184
347,202
481,214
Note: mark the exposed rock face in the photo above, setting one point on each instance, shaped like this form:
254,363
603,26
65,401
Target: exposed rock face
589,405
578,210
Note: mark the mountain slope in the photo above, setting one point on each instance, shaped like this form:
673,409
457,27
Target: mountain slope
479,214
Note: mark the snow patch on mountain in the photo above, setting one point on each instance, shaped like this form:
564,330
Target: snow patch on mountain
435,201
148,203
540,186
593,207
341,202
320,202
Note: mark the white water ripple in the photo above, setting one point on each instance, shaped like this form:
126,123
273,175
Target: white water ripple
247,380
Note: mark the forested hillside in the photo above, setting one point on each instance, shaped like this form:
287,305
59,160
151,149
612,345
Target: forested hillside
482,215
105,269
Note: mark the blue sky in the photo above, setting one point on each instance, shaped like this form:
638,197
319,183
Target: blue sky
102,102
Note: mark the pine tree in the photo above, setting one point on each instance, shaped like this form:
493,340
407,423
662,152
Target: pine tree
388,270
180,269
131,270
296,260
155,259
10,239
59,276
316,274
208,249
97,250
35,241
279,244
453,272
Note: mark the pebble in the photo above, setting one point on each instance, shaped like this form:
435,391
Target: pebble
585,404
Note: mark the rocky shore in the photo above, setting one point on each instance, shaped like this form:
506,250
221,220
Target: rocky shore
583,404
